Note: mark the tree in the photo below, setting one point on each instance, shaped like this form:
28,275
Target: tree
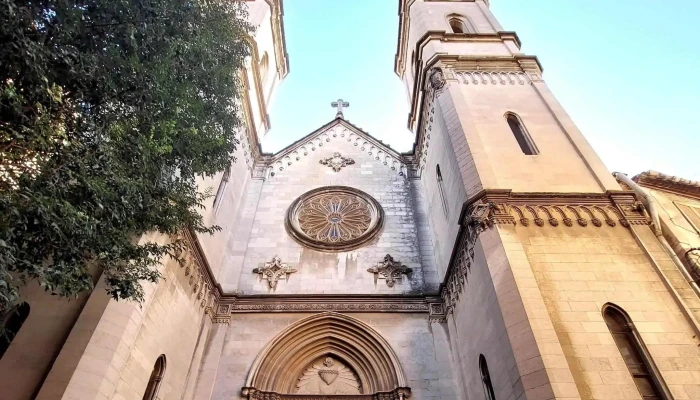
109,111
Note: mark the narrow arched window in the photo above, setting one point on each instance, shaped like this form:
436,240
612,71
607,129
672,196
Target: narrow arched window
527,145
264,66
222,189
10,324
156,378
486,378
634,353
460,24
441,189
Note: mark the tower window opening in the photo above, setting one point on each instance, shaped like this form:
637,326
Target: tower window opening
527,145
441,189
486,378
222,189
264,67
460,24
10,324
634,353
156,378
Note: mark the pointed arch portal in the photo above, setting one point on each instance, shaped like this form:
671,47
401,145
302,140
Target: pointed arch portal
293,353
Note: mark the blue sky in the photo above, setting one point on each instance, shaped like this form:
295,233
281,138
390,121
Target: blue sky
625,70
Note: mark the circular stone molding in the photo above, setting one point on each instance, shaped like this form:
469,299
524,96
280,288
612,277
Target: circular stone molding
334,218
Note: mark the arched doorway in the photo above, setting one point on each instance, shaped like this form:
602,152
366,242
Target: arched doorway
327,355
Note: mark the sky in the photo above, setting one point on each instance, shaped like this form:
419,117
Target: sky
626,71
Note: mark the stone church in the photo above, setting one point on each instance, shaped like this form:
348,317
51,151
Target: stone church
499,259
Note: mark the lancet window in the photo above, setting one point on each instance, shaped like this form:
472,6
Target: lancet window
486,378
527,145
634,353
441,189
222,189
156,379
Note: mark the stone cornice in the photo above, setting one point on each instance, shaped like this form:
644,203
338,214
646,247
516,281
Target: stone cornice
313,303
669,183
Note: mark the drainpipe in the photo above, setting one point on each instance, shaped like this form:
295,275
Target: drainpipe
651,205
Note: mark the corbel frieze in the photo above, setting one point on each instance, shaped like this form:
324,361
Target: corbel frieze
200,279
613,208
317,303
480,216
434,85
532,210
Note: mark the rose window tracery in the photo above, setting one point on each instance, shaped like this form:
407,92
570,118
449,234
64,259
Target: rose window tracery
334,218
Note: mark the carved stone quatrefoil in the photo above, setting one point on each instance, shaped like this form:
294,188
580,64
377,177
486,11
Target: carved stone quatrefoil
273,271
390,270
337,162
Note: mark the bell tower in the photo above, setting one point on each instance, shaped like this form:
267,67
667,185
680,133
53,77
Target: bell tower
513,132
526,222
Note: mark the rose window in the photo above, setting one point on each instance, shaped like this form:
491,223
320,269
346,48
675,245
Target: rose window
334,218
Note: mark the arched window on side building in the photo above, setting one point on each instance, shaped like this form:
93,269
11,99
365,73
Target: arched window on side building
635,354
486,378
441,189
156,379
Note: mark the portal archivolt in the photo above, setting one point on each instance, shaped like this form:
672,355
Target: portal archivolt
327,355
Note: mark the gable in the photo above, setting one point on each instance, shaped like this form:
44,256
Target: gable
335,131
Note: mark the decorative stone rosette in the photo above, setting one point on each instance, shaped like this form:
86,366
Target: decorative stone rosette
334,218
337,161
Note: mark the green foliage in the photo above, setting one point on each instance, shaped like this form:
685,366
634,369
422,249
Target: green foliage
109,111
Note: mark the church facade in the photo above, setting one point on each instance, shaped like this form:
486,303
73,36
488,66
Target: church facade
499,259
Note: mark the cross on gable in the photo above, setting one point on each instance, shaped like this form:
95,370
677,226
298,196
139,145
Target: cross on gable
339,105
